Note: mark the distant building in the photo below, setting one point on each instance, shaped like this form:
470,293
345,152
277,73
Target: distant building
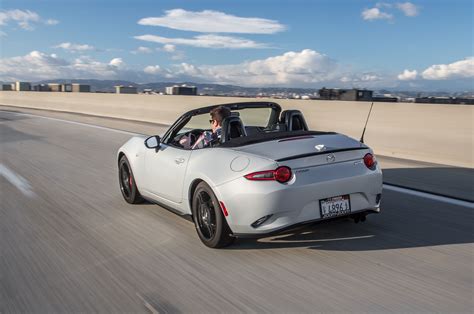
41,88
345,94
181,90
445,100
22,86
384,99
66,88
125,89
8,87
55,87
80,88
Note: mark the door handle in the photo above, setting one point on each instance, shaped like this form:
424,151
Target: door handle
179,160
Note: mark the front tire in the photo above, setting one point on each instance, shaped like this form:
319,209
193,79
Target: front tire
211,225
127,183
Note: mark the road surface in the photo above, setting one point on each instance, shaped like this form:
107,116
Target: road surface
69,243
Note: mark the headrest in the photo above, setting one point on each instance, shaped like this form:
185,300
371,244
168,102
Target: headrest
294,120
232,127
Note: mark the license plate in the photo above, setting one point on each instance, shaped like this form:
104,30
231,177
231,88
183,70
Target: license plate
335,206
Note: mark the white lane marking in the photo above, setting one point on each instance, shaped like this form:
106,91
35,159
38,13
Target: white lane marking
435,197
72,122
148,305
18,181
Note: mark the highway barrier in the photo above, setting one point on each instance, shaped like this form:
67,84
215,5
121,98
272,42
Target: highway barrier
426,132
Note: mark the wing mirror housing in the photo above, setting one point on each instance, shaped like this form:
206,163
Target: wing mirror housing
153,142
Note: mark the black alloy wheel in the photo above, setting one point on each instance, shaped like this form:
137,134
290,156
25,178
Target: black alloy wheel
210,223
127,183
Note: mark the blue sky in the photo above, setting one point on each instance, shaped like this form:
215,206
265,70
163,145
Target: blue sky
394,44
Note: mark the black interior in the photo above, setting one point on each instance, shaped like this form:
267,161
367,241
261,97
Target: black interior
289,123
232,128
293,120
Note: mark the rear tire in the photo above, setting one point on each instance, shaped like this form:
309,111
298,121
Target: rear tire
127,183
211,225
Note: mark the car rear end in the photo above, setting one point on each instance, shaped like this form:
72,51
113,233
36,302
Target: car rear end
312,178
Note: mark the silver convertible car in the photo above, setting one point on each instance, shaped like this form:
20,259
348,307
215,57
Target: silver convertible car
266,174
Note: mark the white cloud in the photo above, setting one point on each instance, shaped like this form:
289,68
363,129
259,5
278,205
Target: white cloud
38,65
117,62
142,50
408,8
209,21
52,22
360,79
456,70
291,68
169,48
172,51
305,68
25,19
178,55
301,68
206,41
152,69
381,5
375,14
369,77
407,75
75,47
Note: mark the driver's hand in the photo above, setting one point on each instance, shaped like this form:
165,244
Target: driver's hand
185,141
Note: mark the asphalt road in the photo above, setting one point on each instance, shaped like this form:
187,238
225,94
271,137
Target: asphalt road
69,243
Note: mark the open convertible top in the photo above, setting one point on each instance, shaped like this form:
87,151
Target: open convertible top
271,136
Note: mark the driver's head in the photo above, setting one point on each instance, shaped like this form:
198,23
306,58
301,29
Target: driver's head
218,114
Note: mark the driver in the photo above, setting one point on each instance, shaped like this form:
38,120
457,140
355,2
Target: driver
208,138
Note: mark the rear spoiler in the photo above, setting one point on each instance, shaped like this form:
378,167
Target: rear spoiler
321,153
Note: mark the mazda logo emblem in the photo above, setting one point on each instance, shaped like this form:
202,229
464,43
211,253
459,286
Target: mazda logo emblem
320,147
330,158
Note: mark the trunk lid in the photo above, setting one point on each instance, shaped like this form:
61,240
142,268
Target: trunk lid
309,150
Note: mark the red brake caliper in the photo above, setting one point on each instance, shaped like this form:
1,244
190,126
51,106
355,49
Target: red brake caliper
130,180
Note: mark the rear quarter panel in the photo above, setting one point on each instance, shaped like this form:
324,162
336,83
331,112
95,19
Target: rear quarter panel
217,166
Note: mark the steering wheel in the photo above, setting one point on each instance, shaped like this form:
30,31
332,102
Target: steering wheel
193,135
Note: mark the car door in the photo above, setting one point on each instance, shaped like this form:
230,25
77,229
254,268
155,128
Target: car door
165,168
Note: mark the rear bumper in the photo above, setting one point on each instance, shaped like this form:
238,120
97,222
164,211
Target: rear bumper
302,225
297,202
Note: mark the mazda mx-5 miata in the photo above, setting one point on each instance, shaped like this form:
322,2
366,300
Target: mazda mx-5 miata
266,174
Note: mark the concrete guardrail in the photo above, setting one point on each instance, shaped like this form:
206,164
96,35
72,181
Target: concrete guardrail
433,133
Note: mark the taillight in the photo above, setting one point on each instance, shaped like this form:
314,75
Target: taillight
281,174
369,160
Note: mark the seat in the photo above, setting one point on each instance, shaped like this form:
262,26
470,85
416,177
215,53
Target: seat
294,120
232,127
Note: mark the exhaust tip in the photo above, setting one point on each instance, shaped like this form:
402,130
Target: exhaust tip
257,223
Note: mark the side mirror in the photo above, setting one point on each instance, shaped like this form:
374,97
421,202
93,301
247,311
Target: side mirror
153,141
